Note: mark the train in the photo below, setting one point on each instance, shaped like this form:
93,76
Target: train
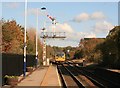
60,57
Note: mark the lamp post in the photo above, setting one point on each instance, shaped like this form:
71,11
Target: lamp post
24,67
36,58
43,8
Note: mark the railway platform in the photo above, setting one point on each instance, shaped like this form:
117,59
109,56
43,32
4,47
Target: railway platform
42,76
35,78
51,77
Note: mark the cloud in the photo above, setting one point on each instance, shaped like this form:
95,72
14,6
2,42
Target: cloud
85,17
70,32
102,27
90,35
62,28
97,16
13,4
73,37
76,36
81,17
65,27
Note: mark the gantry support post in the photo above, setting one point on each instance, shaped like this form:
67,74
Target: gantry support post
44,51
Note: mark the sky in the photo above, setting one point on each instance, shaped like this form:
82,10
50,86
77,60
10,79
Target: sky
77,19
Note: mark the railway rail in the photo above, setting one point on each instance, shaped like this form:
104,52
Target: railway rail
68,78
100,81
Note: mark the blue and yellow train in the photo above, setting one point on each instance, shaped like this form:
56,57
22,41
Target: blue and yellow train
60,57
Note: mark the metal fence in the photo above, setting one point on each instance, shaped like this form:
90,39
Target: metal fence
12,64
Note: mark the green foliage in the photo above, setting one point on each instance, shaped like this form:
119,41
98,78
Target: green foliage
31,44
111,48
78,54
6,76
104,51
87,48
13,38
30,47
96,57
50,51
70,54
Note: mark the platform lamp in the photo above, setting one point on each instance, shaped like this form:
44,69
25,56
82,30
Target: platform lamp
36,58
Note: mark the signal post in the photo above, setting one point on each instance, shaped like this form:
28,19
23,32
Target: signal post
50,35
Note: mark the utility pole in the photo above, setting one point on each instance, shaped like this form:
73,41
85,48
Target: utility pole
44,51
36,58
25,45
43,8
44,46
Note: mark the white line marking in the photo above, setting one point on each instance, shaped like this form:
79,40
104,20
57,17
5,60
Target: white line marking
58,78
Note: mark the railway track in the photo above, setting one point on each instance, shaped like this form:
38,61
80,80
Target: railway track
68,79
100,81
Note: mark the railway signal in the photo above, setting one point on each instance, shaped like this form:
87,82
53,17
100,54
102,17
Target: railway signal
50,35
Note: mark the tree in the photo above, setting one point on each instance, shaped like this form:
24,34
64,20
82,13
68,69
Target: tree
87,47
111,48
78,54
12,37
31,45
